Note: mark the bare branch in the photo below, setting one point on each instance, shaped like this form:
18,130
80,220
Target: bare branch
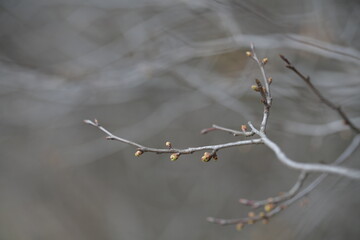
265,216
284,196
317,92
189,150
228,130
308,167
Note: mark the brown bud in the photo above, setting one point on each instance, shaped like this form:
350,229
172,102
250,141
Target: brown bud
138,153
168,144
215,157
265,221
270,80
244,128
239,226
206,157
248,53
174,156
264,61
250,221
251,214
268,207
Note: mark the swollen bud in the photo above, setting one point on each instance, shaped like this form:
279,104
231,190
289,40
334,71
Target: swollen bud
248,53
243,128
268,207
251,214
168,144
264,61
255,88
174,156
270,80
239,226
138,153
206,157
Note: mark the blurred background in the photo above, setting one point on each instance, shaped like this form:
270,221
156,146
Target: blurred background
160,70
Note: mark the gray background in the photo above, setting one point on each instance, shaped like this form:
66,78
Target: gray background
161,70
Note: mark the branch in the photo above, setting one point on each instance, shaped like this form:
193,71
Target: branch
284,196
229,130
272,209
141,149
330,104
308,167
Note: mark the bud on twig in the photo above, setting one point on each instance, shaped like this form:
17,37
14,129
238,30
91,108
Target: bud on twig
264,61
206,157
268,207
138,153
255,88
251,214
243,128
239,226
174,156
248,53
270,80
168,144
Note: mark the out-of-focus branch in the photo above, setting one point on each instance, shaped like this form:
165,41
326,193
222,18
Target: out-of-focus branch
271,210
317,129
317,92
282,197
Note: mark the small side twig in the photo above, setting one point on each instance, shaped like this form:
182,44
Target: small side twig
317,92
284,196
228,130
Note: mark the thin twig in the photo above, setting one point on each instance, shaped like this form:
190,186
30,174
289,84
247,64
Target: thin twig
189,150
317,92
284,196
266,95
228,130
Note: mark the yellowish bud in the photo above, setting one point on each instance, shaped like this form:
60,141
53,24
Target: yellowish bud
239,226
168,144
244,128
262,214
264,61
255,88
248,53
138,153
265,221
268,207
174,156
206,157
250,221
270,80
